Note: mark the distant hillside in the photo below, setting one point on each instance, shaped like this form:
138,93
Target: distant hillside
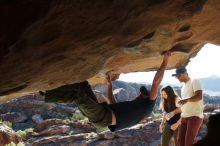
125,91
211,83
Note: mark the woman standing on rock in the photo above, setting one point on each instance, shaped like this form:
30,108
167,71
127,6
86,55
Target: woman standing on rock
171,115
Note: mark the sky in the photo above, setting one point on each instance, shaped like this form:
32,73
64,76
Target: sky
205,64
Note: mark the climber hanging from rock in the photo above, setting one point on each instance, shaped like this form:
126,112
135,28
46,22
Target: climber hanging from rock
115,116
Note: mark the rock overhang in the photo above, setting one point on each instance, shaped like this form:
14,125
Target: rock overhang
45,44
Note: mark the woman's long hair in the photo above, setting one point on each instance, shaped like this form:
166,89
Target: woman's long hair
168,104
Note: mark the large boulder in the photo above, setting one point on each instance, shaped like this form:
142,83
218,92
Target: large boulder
7,135
14,117
45,43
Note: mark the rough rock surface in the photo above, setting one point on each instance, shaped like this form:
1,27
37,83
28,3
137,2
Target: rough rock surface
52,130
48,43
7,135
121,90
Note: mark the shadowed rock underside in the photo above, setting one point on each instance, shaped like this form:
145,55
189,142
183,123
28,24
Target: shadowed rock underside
48,43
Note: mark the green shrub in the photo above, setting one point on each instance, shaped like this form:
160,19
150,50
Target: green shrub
61,116
92,135
7,123
13,144
156,116
24,133
78,116
67,120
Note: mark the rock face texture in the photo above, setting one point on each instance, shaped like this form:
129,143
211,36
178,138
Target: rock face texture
7,135
48,43
49,124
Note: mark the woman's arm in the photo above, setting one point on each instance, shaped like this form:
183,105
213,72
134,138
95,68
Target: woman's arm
175,125
163,118
177,110
162,122
174,112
